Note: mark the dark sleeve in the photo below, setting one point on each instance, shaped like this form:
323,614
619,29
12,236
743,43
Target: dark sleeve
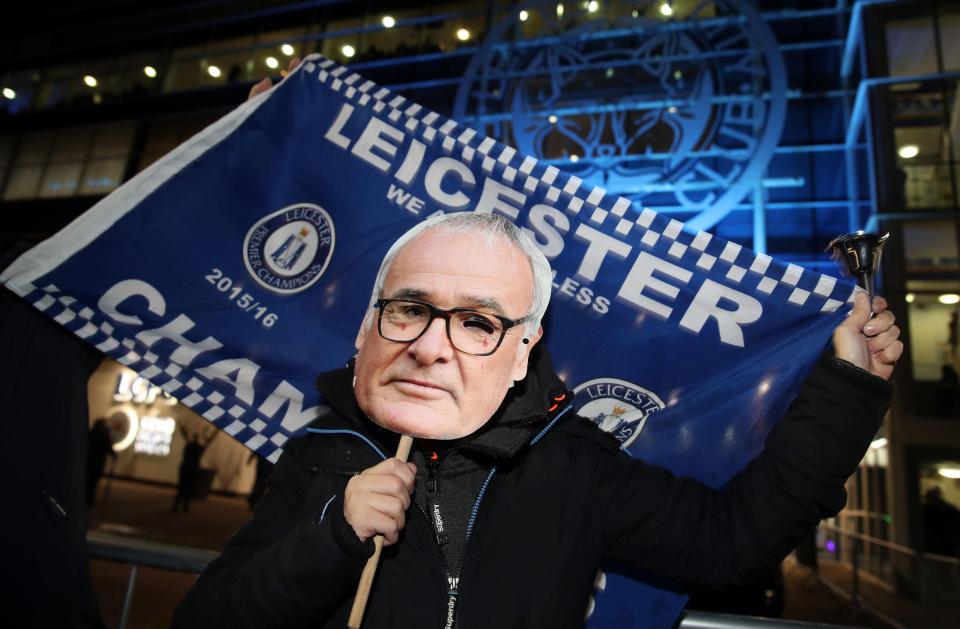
678,528
282,568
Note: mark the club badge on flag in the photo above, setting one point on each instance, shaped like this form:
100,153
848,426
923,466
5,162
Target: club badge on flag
235,269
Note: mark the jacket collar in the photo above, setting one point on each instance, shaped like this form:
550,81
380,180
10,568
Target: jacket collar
523,413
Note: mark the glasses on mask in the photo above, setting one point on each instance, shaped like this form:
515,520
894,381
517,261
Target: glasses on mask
470,331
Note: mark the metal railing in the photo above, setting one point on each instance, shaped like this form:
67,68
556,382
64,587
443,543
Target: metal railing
138,553
918,579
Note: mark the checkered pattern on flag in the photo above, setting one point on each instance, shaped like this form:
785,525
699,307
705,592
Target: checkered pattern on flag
235,269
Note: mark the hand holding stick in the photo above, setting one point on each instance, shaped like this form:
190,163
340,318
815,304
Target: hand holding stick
369,570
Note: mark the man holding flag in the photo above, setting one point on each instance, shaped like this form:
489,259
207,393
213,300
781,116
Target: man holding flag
512,501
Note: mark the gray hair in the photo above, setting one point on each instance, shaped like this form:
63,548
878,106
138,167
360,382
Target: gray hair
493,227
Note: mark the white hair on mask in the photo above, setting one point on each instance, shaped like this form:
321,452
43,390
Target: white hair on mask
493,227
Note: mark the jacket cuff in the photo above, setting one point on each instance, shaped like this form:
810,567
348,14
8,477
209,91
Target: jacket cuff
344,534
847,371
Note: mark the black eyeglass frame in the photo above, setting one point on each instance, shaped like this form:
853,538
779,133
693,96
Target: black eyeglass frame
445,314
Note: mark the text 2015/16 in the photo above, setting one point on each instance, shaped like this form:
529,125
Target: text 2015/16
241,299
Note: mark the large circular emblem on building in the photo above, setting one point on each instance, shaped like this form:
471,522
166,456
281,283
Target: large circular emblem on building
682,114
618,407
288,250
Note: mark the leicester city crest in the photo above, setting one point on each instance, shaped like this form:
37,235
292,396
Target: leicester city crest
288,250
618,407
680,114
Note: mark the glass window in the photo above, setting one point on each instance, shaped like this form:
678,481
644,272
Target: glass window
911,46
343,47
102,175
950,39
281,45
164,136
923,163
183,73
390,37
23,183
112,140
71,145
35,148
61,180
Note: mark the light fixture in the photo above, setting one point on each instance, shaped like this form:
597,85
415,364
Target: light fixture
910,298
876,444
592,6
272,62
287,49
671,110
90,81
523,16
574,157
463,34
949,299
214,71
150,71
559,10
9,93
908,151
348,50
97,99
666,10
552,119
635,13
949,472
388,21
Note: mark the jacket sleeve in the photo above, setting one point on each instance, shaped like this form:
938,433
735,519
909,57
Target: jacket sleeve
680,529
281,568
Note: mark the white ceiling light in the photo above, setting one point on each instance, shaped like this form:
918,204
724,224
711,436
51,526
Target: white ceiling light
272,62
949,299
388,21
523,16
214,71
463,34
574,157
910,298
666,10
150,71
348,50
908,151
949,472
559,10
90,81
9,93
552,119
592,6
287,49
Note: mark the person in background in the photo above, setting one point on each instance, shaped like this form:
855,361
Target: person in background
190,466
99,447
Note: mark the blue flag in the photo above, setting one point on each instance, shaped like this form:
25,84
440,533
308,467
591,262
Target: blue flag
239,266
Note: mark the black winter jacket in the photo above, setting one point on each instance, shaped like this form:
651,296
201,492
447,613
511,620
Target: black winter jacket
560,498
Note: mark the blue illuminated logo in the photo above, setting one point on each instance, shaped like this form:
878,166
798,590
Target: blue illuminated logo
288,250
618,407
682,115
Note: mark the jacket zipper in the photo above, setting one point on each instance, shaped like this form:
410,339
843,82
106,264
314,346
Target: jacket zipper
456,587
451,581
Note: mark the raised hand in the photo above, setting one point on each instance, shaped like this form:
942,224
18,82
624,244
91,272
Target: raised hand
869,343
377,499
266,82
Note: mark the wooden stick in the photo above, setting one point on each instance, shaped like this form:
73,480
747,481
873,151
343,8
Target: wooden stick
369,570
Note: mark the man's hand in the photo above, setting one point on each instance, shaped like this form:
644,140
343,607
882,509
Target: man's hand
869,343
266,82
376,500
